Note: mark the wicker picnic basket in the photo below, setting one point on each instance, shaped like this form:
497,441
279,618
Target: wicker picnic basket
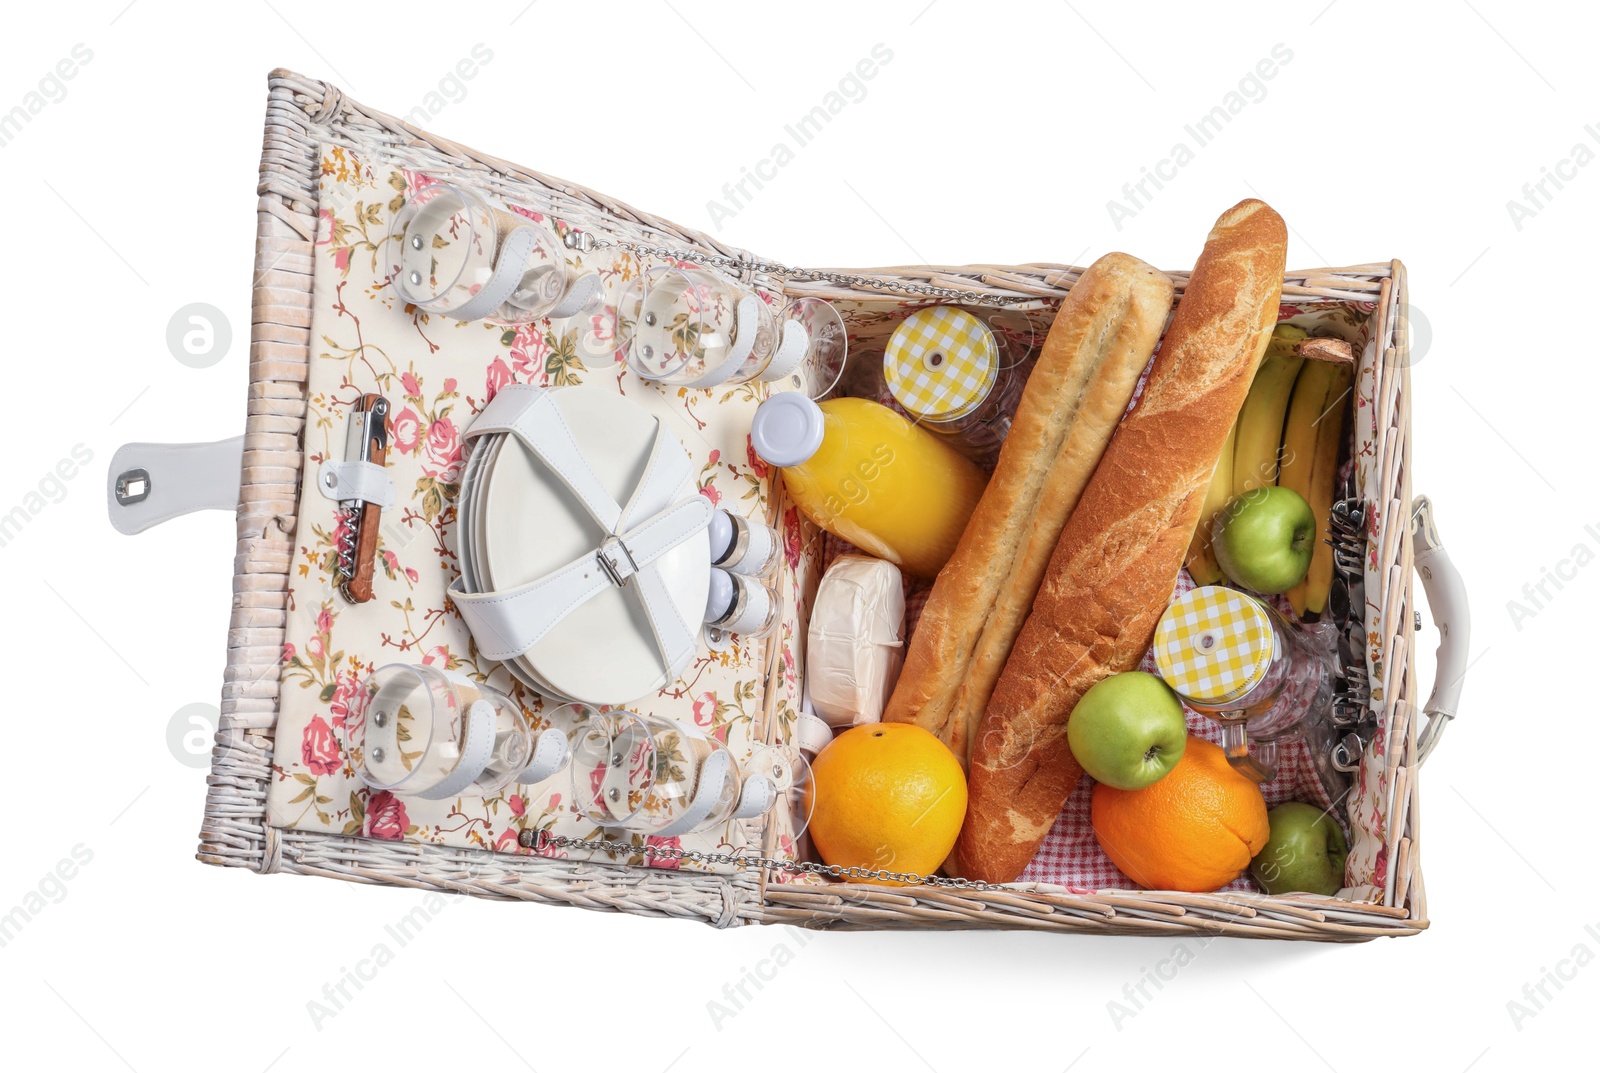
304,113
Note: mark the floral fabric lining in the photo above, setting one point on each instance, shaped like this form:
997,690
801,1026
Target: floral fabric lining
437,374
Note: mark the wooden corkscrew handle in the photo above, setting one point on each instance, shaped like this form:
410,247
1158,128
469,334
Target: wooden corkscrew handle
358,589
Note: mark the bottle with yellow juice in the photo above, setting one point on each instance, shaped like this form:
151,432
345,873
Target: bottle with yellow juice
868,475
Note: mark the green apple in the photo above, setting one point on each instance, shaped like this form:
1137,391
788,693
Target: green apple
1128,731
1305,851
1263,539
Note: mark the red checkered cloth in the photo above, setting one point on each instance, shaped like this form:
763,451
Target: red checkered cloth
1069,855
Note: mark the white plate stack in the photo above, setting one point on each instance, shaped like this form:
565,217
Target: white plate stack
520,521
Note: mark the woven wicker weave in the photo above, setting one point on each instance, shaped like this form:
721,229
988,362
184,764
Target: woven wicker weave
303,113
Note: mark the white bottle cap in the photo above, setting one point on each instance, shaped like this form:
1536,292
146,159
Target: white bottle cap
786,429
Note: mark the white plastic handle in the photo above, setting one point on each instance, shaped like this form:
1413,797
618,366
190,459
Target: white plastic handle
1447,601
150,483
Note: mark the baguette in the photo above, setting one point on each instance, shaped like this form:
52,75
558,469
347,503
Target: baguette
1118,558
1099,342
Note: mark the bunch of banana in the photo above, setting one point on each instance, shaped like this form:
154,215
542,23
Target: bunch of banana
1201,562
1311,439
1250,456
1288,433
1259,435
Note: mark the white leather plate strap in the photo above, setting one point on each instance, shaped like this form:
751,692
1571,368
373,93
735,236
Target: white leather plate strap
529,413
366,481
665,472
475,754
149,483
506,624
509,267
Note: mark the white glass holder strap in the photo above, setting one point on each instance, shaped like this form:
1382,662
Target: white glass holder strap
476,752
510,263
746,318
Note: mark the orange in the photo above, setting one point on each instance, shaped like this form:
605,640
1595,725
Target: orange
886,796
1194,829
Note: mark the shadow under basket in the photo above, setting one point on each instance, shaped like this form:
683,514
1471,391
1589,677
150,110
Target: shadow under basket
304,115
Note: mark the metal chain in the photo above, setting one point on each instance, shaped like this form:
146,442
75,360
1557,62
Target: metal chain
538,841
584,241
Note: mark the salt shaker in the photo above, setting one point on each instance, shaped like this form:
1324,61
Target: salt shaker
742,546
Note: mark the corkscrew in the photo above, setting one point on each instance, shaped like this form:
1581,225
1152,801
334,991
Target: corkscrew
356,542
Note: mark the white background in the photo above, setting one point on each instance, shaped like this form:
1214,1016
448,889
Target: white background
1394,131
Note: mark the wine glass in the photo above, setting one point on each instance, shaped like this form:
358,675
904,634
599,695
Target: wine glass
435,734
693,327
822,346
649,775
787,771
697,328
463,257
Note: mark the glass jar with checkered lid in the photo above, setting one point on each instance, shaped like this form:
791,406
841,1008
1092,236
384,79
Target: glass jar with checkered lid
1239,661
957,374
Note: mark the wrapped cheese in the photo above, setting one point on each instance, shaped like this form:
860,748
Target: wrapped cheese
856,643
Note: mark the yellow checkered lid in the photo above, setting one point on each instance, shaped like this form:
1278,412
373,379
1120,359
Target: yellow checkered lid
941,363
1214,644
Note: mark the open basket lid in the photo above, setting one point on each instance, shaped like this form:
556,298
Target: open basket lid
585,556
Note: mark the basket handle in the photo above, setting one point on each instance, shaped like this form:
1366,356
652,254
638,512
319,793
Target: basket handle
1447,601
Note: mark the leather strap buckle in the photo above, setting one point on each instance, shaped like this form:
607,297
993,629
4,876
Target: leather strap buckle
618,570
